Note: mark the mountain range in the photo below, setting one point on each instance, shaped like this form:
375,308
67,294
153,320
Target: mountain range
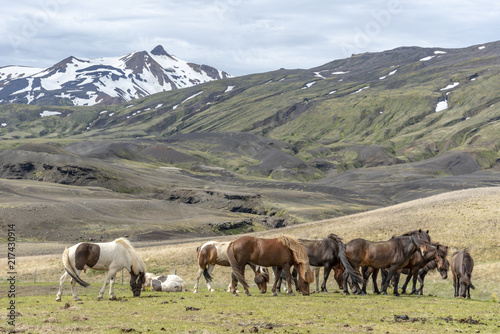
76,81
290,145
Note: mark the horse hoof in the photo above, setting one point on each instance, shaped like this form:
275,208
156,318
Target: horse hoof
112,298
58,299
212,290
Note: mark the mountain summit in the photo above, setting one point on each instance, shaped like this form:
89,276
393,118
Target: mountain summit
75,81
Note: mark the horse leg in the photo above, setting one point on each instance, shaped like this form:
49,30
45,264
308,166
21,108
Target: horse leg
414,288
286,268
62,280
374,281
209,283
455,286
367,272
408,278
112,286
198,276
421,278
387,280
396,282
106,282
326,273
277,277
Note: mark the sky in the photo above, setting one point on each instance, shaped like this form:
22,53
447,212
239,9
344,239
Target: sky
238,36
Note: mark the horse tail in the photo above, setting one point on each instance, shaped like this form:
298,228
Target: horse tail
204,258
70,269
235,265
138,265
353,273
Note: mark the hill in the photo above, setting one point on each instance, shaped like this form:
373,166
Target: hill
264,150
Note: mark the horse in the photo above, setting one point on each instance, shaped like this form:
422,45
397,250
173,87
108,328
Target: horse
328,253
436,252
462,265
282,252
110,256
214,253
392,254
168,283
428,267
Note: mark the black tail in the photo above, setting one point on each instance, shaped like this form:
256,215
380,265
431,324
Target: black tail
68,266
207,275
354,274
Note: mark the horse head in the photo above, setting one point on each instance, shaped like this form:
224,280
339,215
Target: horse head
261,278
444,270
136,283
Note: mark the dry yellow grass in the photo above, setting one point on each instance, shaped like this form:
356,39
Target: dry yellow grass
467,218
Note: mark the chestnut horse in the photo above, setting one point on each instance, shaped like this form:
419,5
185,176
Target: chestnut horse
391,254
282,252
462,265
214,253
110,256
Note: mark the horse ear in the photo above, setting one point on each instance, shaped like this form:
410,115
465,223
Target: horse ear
427,231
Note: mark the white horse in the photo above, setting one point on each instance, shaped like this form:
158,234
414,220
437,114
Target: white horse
168,283
212,253
110,256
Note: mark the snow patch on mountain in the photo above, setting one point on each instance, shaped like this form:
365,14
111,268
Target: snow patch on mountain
104,80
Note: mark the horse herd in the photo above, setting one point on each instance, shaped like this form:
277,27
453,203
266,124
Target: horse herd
412,253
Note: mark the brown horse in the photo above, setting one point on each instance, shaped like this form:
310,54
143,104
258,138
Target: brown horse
214,253
282,252
436,252
391,254
462,265
428,267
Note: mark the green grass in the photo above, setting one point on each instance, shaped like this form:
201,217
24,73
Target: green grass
221,312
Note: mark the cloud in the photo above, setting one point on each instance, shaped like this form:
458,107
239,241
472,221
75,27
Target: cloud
237,36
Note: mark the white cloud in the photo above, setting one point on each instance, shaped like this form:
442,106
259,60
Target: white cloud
237,36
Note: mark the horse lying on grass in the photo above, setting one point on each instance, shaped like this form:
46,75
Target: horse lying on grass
109,256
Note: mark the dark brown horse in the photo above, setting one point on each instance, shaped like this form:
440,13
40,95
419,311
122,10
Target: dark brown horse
462,265
328,253
436,252
428,267
391,254
282,252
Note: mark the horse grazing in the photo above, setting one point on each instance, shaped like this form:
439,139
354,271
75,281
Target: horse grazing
110,256
391,254
462,265
214,253
328,253
282,252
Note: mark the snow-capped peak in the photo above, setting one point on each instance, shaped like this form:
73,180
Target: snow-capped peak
103,80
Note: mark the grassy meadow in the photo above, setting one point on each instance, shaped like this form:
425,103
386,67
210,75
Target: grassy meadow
462,219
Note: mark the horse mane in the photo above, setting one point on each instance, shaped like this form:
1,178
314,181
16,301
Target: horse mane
138,265
334,237
442,250
298,251
299,255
